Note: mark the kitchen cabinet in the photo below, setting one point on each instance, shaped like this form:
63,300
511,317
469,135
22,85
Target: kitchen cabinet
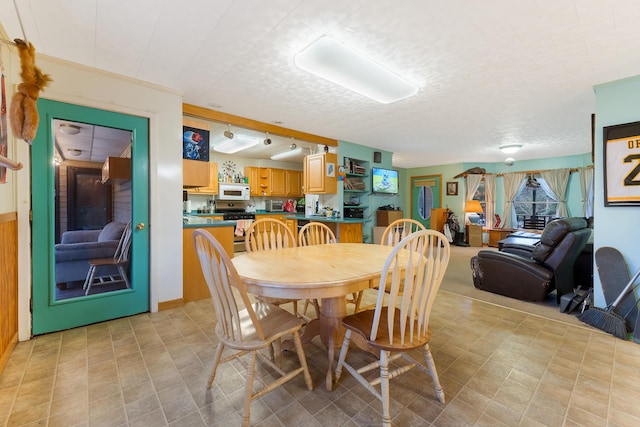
116,169
345,232
253,174
293,182
195,173
320,176
273,181
212,186
194,287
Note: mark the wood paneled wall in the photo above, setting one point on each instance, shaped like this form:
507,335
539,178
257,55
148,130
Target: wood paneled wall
8,285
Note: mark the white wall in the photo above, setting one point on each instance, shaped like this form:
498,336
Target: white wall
616,103
163,107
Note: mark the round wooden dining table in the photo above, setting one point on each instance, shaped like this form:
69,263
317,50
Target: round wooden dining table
324,272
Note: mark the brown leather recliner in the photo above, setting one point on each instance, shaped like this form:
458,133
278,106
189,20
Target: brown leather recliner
532,278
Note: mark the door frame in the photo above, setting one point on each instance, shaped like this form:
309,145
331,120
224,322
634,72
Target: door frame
437,195
48,314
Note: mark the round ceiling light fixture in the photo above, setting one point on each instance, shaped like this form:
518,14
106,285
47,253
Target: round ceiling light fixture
511,148
75,152
69,129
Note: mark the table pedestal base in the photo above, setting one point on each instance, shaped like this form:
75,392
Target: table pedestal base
329,327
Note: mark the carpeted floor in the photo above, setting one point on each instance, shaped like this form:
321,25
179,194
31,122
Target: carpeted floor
458,280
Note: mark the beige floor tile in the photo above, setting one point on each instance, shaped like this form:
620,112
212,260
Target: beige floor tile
498,367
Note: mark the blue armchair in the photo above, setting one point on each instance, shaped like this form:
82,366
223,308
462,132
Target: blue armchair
78,246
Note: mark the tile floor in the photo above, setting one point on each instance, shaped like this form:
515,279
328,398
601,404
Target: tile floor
498,367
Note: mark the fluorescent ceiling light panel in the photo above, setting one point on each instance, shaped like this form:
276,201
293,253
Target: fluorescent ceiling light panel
236,144
338,63
296,152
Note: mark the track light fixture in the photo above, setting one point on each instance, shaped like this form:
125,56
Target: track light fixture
267,140
228,132
292,146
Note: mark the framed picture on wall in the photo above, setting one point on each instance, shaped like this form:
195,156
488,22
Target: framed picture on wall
195,144
622,164
452,188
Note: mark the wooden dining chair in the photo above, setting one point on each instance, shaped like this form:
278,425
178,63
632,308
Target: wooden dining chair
270,234
399,323
120,259
393,234
399,229
318,233
245,327
315,233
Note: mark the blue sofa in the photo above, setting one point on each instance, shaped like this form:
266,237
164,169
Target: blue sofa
79,246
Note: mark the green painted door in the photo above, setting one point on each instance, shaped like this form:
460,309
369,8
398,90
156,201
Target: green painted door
51,312
426,193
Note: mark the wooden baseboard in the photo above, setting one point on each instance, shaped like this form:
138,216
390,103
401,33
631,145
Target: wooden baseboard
4,358
166,305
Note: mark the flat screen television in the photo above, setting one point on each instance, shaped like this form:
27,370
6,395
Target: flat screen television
384,181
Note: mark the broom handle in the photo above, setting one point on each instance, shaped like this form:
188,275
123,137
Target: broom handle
626,289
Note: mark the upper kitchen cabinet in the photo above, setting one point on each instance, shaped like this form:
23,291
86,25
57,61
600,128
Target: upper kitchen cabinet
253,174
212,186
116,169
293,182
273,181
320,175
195,173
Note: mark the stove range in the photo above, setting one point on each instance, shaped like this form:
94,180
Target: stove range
234,211
238,215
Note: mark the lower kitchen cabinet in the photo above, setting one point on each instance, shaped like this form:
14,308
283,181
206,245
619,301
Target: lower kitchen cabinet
194,287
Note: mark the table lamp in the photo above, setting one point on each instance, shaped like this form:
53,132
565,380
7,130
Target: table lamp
473,206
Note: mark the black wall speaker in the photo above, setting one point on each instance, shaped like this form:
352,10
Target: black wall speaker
377,157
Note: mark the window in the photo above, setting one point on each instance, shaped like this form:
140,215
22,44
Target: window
534,202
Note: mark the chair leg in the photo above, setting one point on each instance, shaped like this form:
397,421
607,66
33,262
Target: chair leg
432,371
249,390
357,298
343,355
216,361
303,360
123,274
384,387
276,347
89,280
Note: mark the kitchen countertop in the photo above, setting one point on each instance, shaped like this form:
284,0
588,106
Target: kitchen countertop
206,219
193,221
323,218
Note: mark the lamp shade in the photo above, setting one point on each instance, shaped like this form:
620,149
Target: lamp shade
473,206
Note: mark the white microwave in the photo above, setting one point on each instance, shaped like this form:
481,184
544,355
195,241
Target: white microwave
230,191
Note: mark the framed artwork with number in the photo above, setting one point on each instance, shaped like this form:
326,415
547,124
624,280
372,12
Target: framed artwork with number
622,164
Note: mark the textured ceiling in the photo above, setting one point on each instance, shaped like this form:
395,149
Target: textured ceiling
490,72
